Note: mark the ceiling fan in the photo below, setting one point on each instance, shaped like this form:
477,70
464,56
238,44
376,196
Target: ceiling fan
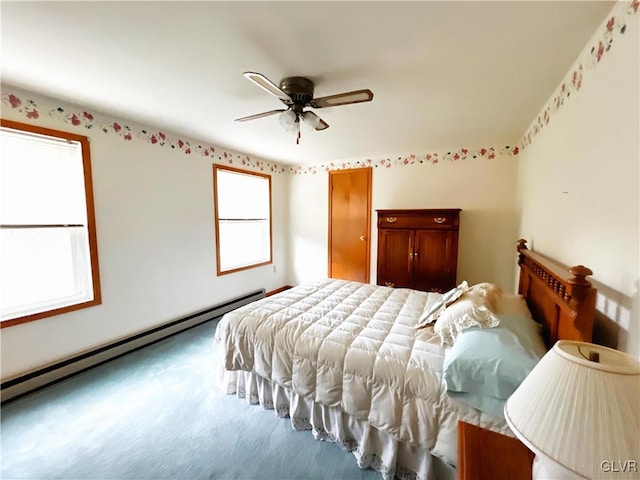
297,94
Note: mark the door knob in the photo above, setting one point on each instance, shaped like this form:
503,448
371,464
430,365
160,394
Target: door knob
362,238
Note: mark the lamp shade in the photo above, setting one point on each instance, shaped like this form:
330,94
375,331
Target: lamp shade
584,415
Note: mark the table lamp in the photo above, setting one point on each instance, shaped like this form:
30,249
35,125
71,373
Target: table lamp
579,412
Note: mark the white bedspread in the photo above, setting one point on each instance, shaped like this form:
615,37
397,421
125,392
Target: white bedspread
353,346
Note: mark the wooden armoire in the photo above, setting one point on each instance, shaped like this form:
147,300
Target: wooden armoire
418,248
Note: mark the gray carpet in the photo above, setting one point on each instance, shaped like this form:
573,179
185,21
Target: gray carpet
157,414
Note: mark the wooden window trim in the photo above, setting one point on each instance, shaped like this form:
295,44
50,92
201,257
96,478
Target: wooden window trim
217,167
91,222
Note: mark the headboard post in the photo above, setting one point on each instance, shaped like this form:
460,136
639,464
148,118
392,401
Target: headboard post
583,298
523,282
561,299
522,243
578,276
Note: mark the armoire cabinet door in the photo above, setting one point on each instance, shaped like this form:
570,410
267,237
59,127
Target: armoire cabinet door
434,261
394,259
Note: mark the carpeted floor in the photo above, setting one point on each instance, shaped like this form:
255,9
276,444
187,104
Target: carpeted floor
158,414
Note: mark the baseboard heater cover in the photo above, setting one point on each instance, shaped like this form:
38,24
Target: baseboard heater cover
28,383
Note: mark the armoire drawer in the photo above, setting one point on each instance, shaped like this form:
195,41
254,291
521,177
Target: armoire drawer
433,219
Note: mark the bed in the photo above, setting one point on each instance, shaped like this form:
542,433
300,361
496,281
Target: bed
347,360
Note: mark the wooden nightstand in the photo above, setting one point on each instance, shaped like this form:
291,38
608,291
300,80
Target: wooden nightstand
487,455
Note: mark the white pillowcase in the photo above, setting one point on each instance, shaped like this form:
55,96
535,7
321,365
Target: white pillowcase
434,311
491,293
471,310
512,304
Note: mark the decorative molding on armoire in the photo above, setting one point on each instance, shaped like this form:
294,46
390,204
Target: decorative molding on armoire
614,26
600,44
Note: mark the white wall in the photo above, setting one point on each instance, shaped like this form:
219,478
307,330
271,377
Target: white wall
308,227
485,190
156,244
579,182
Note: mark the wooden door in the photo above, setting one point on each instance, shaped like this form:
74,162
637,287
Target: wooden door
434,260
349,224
395,261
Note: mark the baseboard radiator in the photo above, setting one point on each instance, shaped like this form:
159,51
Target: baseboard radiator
17,387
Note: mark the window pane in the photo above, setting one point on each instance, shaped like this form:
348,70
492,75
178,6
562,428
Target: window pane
242,196
42,180
243,243
42,269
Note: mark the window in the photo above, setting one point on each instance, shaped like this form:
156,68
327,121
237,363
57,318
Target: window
48,253
242,203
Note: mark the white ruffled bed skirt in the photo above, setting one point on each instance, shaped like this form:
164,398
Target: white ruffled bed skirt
371,447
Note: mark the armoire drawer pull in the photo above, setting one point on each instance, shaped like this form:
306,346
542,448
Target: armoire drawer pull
392,219
389,284
440,219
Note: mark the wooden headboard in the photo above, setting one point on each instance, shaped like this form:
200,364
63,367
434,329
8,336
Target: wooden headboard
561,299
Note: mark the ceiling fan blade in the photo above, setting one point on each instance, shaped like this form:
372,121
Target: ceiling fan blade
260,115
322,125
357,96
315,121
268,86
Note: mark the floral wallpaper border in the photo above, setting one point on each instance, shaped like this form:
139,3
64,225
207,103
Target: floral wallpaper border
611,29
615,26
411,159
32,110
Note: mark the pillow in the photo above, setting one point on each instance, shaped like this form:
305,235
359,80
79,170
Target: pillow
485,366
435,309
471,310
491,292
512,304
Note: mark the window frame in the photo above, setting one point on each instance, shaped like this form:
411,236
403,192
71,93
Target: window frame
91,223
217,167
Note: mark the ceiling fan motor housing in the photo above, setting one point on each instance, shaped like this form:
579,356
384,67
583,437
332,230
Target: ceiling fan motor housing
300,90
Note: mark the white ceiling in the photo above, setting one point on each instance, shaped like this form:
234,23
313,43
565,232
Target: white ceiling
444,74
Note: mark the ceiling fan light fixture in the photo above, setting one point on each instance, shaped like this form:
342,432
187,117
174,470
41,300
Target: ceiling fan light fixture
289,121
311,120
